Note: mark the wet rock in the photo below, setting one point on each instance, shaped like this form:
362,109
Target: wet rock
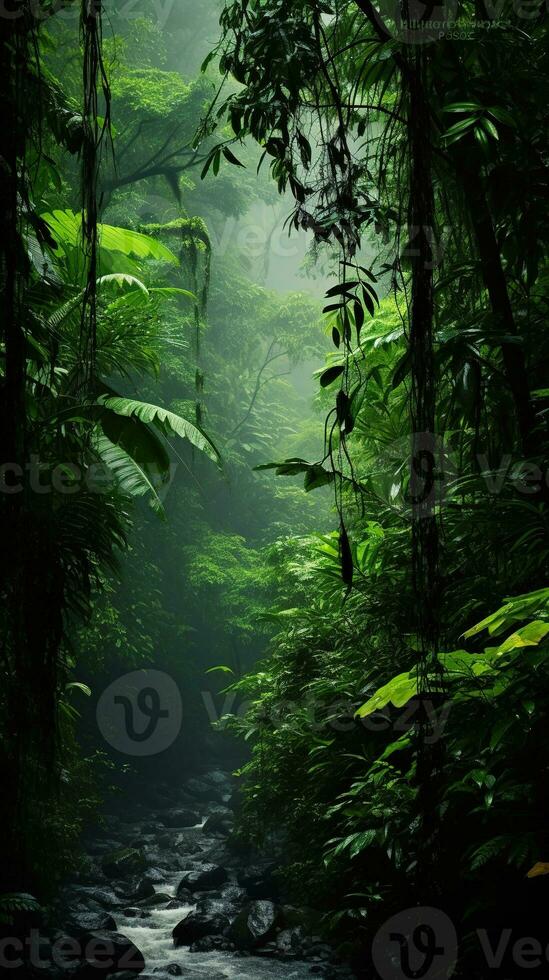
124,862
234,897
289,942
220,821
255,925
82,922
259,881
184,898
330,972
202,790
198,924
218,778
179,818
216,852
189,843
155,875
124,889
314,948
159,898
213,944
133,913
144,889
126,975
109,953
171,970
171,862
203,878
104,898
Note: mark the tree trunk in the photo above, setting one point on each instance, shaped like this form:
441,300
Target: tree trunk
496,285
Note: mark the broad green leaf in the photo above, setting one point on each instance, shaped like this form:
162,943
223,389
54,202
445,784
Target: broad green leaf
163,419
463,107
133,476
79,686
398,692
123,279
138,298
528,636
331,374
66,228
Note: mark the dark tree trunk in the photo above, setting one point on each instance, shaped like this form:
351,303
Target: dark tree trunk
423,490
14,35
496,285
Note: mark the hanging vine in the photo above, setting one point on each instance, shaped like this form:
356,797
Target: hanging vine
96,130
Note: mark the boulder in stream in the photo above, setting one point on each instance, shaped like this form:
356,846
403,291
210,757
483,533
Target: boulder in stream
204,877
159,898
179,818
83,922
213,944
143,889
105,953
220,821
259,881
124,862
201,789
255,925
288,945
198,924
184,897
95,898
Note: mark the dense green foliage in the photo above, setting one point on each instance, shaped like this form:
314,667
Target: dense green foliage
344,514
345,117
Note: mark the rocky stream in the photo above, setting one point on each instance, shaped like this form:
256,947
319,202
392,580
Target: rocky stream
166,893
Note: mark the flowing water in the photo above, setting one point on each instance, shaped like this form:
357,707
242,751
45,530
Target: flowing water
152,935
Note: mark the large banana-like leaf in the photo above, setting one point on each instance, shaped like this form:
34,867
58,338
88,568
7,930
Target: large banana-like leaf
137,298
120,279
163,419
131,476
66,228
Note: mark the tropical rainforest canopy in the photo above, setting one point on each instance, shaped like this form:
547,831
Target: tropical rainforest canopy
275,390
